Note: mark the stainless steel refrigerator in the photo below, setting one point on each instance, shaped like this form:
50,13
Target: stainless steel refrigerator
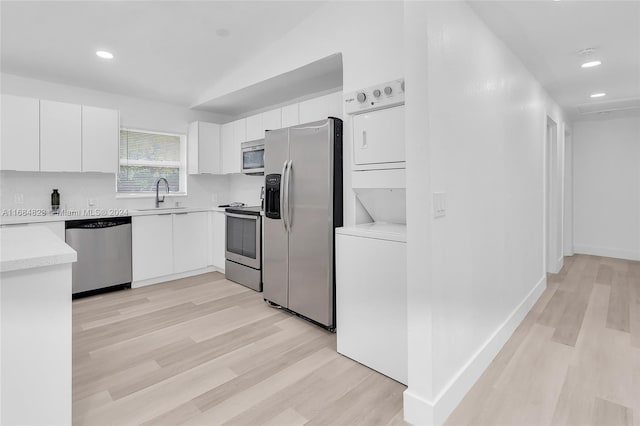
303,206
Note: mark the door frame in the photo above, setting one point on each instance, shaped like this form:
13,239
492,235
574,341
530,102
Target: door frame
553,198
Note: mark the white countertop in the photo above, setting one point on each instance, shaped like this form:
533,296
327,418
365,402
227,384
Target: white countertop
377,230
32,247
40,215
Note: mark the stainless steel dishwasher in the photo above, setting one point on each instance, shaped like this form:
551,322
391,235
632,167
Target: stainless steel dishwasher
104,254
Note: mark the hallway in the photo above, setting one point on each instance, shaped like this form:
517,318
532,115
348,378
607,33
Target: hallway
575,359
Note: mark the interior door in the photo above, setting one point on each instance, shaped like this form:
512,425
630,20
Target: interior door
275,276
311,230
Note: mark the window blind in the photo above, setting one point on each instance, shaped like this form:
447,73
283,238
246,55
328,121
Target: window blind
145,157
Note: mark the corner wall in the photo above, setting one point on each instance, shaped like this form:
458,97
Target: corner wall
476,124
606,182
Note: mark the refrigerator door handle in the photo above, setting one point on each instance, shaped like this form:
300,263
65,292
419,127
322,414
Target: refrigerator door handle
289,212
283,186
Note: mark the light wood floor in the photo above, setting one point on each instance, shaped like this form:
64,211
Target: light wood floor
206,351
574,360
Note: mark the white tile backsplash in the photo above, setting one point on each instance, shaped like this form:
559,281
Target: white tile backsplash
76,189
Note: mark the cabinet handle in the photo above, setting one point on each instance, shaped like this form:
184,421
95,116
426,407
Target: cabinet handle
182,213
364,139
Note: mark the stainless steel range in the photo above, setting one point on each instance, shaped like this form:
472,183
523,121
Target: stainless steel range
244,246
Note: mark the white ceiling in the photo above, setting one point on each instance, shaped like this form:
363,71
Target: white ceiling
547,35
319,76
166,51
170,50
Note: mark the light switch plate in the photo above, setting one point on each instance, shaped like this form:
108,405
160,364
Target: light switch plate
18,198
439,204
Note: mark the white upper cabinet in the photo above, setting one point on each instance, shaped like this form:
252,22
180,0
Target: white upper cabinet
335,104
290,115
233,134
272,120
255,129
100,139
320,108
20,139
204,148
60,137
228,141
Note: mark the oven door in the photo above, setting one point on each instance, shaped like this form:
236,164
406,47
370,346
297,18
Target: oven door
253,158
243,239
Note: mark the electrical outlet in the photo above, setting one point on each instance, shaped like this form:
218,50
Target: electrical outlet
18,198
214,198
439,204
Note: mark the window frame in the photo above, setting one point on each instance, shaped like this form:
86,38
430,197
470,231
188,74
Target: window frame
182,166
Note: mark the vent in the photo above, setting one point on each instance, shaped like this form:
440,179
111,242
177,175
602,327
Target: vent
609,106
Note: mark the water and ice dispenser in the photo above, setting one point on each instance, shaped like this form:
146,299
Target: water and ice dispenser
272,196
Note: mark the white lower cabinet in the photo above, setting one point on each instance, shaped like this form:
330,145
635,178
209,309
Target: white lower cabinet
219,240
176,243
152,246
189,241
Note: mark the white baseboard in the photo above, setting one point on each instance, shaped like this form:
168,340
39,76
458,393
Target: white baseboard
171,277
419,411
607,252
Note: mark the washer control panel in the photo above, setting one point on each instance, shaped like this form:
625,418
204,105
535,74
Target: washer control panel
380,96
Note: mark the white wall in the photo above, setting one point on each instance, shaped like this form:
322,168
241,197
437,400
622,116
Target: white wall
75,188
476,122
368,34
606,182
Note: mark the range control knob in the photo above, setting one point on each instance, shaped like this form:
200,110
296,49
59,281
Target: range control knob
387,90
361,97
377,93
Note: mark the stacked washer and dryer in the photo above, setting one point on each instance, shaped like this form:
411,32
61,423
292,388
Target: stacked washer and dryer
371,293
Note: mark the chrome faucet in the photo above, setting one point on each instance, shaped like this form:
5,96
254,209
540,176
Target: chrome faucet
166,184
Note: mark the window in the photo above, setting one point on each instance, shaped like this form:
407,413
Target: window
147,156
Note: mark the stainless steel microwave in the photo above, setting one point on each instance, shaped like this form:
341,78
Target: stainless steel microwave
253,157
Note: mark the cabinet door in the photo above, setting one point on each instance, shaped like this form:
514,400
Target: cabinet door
272,120
20,143
231,151
204,148
335,104
321,107
290,116
100,139
219,240
60,137
152,246
255,130
378,137
228,141
189,241
209,148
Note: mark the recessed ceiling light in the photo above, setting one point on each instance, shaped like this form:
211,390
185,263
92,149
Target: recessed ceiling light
104,54
598,95
591,64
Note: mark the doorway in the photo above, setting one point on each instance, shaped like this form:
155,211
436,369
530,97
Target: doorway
553,200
